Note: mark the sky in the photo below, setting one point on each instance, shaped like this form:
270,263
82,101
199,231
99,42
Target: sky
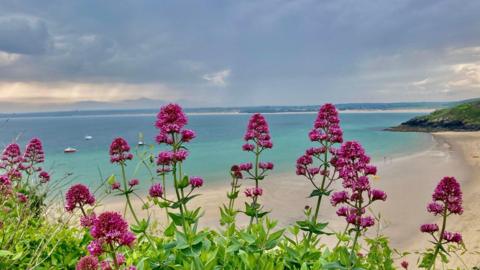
61,54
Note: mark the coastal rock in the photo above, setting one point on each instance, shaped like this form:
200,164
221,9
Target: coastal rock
464,117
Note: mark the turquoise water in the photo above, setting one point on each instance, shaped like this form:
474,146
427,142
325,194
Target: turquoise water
216,148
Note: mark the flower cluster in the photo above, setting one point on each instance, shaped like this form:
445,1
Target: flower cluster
11,157
446,200
156,190
326,126
77,196
87,263
33,156
120,151
326,131
110,232
354,169
253,192
257,139
196,182
236,172
171,121
258,134
5,186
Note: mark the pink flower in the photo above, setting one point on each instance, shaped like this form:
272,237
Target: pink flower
78,195
435,208
165,158
429,228
342,211
5,185
265,165
164,138
314,171
127,239
315,151
34,151
95,247
246,166
258,131
253,192
180,155
11,155
133,182
452,237
115,185
404,264
187,135
376,195
5,180
15,174
111,228
196,181
248,147
22,198
120,258
87,221
106,265
326,127
156,190
366,222
448,191
236,172
352,161
44,177
171,118
87,263
339,197
120,151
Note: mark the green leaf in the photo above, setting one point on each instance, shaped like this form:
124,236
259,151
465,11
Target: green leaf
319,192
170,230
5,253
111,179
177,218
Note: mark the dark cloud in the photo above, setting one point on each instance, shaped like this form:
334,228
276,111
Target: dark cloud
23,35
290,51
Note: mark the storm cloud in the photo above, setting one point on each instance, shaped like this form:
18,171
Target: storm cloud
221,53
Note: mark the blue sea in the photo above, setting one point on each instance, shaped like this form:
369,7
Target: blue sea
216,148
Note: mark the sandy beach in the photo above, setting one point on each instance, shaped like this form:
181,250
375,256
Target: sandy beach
409,182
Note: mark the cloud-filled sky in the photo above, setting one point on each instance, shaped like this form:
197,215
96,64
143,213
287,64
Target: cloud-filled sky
235,53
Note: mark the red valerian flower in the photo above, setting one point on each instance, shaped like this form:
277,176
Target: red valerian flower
77,196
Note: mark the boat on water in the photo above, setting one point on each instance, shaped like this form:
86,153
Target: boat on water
88,137
140,139
70,150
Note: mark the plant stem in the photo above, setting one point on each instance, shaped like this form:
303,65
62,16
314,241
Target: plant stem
114,256
127,196
439,243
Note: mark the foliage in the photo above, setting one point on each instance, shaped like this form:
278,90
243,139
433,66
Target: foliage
32,238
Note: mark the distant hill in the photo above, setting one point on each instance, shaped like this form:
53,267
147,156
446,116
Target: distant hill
150,106
463,117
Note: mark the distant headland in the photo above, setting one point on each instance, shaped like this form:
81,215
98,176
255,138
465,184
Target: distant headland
462,117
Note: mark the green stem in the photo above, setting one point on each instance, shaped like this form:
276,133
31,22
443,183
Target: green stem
114,256
179,198
355,240
127,196
439,241
320,196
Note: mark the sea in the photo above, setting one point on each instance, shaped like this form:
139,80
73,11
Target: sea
217,146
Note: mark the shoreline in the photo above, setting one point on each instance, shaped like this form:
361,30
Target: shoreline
347,111
408,180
